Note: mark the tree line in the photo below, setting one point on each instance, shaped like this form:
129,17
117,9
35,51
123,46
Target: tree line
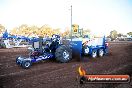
46,30
114,34
26,30
43,31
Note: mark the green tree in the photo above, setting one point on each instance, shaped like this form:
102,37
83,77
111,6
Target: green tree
113,35
119,35
25,30
129,33
14,31
2,28
57,31
86,31
45,30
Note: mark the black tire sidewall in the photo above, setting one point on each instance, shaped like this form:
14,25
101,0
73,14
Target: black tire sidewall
99,52
93,52
23,64
84,47
59,53
17,60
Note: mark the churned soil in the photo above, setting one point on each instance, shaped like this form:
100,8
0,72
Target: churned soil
51,74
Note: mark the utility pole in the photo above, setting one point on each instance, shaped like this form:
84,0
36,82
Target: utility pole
71,22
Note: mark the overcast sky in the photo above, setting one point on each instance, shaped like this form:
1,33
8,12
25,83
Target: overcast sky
100,16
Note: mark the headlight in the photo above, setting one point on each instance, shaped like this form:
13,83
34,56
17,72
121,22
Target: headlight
20,58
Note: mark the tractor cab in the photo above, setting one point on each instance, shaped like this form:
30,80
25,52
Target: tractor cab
55,42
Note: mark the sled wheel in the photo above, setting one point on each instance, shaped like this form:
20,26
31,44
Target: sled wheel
94,54
100,52
85,50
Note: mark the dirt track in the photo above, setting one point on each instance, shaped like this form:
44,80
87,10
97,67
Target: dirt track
50,74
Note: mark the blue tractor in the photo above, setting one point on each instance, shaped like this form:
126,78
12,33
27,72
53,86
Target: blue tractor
61,50
49,48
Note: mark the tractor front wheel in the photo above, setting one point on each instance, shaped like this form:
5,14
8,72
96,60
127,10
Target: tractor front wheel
63,54
17,62
26,64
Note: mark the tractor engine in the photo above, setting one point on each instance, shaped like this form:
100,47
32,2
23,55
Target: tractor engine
36,53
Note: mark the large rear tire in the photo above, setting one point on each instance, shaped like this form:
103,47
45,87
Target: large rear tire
63,54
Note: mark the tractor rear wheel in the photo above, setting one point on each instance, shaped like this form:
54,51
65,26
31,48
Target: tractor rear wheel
63,54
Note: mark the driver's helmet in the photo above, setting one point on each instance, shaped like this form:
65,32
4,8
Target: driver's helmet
55,37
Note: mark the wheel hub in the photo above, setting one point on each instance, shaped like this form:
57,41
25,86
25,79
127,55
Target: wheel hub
27,64
87,50
101,52
66,55
94,54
